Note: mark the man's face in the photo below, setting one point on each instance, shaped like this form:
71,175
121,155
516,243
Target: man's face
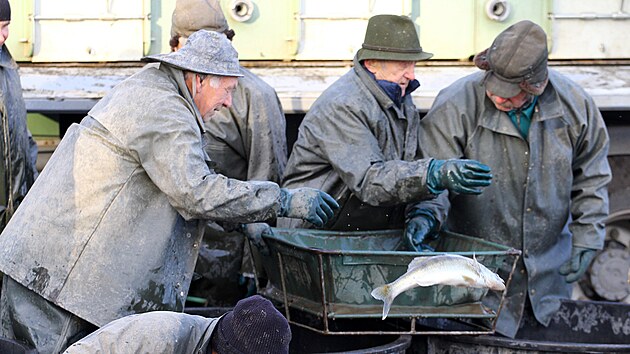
399,72
4,31
213,93
508,104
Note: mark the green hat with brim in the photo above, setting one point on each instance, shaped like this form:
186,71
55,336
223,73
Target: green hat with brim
391,37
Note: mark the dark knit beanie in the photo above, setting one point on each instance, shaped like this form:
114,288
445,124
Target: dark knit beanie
5,10
253,327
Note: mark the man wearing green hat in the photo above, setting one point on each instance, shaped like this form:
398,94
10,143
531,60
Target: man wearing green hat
113,224
359,140
547,144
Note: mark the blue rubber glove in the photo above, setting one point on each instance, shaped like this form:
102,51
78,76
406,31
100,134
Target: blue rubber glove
459,176
420,226
577,265
254,233
307,204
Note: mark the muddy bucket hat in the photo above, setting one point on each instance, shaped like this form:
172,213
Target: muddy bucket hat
192,15
205,52
391,37
516,60
254,326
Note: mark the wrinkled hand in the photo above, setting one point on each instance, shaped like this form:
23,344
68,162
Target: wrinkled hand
417,229
459,176
308,204
254,233
577,265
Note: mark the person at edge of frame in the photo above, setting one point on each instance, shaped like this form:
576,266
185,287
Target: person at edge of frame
546,141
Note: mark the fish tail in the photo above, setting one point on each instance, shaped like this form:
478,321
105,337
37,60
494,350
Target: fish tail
384,294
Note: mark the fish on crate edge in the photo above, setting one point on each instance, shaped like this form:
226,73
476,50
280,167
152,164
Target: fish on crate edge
444,269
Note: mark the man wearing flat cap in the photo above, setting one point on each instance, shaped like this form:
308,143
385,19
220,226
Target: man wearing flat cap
546,142
254,326
112,226
17,171
359,140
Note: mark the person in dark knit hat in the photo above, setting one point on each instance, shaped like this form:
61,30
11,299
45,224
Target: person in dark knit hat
359,141
254,326
546,140
17,169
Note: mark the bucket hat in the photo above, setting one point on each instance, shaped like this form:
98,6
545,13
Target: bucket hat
254,326
391,37
205,52
192,15
516,60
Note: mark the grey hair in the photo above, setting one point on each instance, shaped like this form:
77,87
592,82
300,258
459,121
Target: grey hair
215,80
190,75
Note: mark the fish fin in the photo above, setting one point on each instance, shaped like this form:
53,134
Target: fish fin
424,282
469,280
415,263
384,293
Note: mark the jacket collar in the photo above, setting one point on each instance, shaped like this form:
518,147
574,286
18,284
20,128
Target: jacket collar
6,60
178,76
392,89
548,103
375,89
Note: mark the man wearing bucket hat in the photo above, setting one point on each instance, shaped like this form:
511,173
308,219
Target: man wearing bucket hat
18,171
123,200
359,140
246,141
254,326
547,144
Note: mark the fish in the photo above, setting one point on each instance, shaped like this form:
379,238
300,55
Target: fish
443,269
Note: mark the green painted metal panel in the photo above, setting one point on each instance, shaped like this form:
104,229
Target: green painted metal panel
455,29
42,126
20,41
447,28
486,29
269,34
160,14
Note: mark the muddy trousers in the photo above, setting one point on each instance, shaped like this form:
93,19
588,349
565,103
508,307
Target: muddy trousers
31,319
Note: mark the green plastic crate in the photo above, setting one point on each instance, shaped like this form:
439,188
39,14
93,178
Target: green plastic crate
329,276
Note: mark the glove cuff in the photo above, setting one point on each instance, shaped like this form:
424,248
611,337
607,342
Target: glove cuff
285,200
431,220
433,178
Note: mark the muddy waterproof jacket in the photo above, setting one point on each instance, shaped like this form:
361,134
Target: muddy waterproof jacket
154,332
248,140
358,146
17,169
112,226
549,191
